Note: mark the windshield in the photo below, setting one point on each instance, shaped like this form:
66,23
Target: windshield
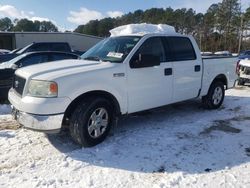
113,49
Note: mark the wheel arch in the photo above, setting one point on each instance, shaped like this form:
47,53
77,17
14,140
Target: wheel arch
221,78
208,83
96,93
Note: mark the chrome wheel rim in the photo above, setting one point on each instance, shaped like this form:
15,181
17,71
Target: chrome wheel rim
217,96
98,122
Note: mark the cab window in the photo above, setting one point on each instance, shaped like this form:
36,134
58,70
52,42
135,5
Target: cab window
152,46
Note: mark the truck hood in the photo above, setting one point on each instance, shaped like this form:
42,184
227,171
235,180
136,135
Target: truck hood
56,69
245,63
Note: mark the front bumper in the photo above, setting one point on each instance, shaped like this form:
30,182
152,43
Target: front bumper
245,78
44,123
41,106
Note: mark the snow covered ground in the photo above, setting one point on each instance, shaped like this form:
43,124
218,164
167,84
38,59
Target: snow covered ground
181,145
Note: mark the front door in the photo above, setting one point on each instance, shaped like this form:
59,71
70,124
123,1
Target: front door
149,87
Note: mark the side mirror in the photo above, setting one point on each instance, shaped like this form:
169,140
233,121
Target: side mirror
20,65
144,60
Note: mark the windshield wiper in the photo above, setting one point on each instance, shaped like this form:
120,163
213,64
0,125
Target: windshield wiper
92,58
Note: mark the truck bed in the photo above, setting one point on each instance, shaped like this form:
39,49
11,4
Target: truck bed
213,66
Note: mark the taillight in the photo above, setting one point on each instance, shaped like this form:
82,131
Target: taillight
238,67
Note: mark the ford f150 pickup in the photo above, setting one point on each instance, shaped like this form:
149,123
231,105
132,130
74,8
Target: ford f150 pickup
139,67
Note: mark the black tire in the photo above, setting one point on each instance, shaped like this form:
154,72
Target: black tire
79,121
208,101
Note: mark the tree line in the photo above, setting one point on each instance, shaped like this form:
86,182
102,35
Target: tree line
25,25
224,26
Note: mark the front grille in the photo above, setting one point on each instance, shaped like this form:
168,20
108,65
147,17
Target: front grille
18,84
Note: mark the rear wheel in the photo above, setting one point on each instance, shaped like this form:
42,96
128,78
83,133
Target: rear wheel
90,123
215,96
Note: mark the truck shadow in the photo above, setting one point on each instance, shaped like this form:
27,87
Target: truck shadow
180,137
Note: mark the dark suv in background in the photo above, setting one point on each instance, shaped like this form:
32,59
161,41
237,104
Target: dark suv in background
7,69
46,46
38,46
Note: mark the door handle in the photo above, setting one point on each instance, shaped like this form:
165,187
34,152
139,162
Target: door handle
197,68
168,71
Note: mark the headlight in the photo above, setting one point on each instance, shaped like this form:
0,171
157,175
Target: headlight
39,88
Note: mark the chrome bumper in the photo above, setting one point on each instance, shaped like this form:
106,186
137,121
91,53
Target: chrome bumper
44,123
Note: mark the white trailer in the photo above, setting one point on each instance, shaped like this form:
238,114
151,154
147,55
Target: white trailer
77,41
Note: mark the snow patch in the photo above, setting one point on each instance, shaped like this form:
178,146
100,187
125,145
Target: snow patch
165,147
142,29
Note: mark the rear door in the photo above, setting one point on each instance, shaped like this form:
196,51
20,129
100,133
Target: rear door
150,87
186,69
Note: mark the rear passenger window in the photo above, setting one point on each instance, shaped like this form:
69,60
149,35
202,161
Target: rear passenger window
182,48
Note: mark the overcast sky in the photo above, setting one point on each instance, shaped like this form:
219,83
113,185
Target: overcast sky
68,14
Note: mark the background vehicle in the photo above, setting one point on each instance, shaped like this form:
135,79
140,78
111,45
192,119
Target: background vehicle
245,55
243,71
78,52
223,53
3,51
15,51
7,69
207,54
36,47
139,67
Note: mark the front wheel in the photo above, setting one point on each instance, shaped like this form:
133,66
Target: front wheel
215,96
90,123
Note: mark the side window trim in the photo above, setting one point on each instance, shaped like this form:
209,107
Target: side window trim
166,46
163,49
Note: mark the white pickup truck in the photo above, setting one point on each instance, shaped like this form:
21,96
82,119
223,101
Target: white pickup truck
139,67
